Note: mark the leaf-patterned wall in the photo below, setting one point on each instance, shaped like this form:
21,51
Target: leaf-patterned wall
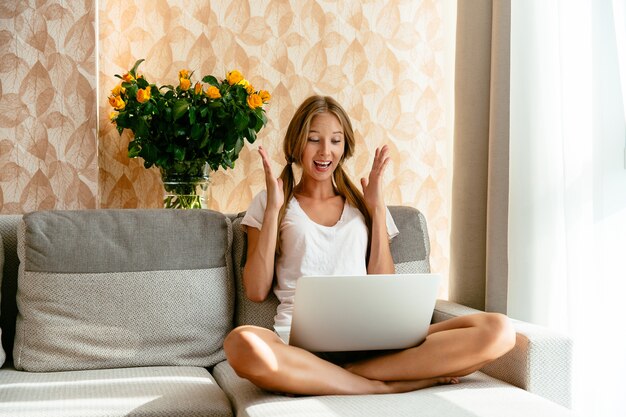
384,61
47,105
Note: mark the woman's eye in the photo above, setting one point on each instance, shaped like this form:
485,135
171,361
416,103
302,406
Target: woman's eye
336,141
313,140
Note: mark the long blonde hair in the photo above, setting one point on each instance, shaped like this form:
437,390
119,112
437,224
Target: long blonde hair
295,142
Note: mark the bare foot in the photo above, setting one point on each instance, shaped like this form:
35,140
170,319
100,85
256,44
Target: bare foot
406,386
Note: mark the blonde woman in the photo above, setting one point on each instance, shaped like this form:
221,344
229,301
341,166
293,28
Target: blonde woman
324,224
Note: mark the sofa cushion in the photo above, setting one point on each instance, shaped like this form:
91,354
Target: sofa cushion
476,395
153,391
2,355
122,288
411,248
249,312
8,233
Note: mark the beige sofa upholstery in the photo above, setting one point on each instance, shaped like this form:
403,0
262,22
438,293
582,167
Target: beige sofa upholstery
123,313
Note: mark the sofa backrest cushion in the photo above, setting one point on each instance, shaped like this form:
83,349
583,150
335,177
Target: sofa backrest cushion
122,288
410,251
249,312
2,355
8,312
411,248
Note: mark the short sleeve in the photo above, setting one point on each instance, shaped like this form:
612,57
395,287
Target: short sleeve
392,229
256,211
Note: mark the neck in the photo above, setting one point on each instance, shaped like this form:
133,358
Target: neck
315,189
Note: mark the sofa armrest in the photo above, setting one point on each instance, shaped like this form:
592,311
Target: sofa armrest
540,362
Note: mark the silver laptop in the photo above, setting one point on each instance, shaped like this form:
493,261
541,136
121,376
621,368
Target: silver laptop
371,312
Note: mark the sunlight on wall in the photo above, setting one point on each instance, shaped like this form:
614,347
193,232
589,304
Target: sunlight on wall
387,63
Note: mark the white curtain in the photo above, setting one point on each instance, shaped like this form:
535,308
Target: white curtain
567,201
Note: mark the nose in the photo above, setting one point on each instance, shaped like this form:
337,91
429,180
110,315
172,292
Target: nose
324,148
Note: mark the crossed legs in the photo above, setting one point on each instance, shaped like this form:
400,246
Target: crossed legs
453,348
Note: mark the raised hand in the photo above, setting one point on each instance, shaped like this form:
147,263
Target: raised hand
273,185
373,185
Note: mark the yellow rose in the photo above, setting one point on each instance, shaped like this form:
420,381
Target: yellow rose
128,78
197,89
254,101
143,95
183,73
213,92
249,89
234,77
118,90
112,116
117,102
185,83
265,96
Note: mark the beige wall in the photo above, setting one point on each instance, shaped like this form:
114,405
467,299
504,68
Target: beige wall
386,62
47,106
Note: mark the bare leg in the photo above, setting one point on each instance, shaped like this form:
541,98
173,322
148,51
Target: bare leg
258,355
454,347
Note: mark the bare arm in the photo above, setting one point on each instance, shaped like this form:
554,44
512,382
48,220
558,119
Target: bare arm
380,261
258,272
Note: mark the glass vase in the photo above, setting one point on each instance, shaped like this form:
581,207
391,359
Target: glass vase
185,190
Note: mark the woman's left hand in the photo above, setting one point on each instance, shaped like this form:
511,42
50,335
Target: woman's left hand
373,185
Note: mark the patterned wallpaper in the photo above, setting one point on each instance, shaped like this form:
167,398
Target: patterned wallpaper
47,106
384,61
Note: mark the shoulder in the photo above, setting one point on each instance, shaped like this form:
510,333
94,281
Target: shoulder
256,210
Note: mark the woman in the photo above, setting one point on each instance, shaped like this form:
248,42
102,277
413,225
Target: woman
325,225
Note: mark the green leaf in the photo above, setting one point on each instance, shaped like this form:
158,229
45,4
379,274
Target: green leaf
238,147
133,70
150,108
211,80
141,128
179,154
241,121
251,135
142,83
192,115
205,139
149,153
180,108
196,131
261,119
133,149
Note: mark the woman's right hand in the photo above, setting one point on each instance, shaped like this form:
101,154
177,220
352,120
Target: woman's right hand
273,185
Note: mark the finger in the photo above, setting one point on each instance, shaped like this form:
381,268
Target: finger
384,165
266,162
364,184
383,159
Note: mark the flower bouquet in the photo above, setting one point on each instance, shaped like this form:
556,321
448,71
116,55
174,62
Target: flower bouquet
187,131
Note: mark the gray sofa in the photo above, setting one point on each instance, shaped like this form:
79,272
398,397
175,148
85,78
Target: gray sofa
123,313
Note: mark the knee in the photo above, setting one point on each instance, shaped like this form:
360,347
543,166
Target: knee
498,335
248,353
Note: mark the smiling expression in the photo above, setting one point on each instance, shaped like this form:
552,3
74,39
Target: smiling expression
324,147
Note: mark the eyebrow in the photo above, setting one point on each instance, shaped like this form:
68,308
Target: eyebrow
317,131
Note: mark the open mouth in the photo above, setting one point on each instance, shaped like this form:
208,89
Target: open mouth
322,164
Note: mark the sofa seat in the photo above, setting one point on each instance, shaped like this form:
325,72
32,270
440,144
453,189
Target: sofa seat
476,395
149,391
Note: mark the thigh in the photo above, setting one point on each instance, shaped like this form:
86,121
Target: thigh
252,334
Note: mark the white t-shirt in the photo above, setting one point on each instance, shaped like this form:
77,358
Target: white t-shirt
309,248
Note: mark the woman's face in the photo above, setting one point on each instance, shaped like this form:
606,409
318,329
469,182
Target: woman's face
324,147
